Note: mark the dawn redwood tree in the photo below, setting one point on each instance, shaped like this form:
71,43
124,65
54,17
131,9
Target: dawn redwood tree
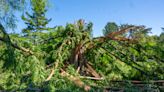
69,58
70,54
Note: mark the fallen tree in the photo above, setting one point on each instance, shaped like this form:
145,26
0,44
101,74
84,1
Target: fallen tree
70,52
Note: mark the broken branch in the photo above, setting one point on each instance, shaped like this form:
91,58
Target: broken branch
76,80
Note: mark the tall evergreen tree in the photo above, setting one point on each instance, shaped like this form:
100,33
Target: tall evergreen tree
37,21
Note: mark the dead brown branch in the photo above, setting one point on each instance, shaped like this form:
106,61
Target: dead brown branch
124,30
113,35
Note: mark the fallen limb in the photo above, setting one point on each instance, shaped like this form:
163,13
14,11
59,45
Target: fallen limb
128,63
78,69
76,80
92,71
113,35
52,71
7,39
18,47
124,30
51,74
92,78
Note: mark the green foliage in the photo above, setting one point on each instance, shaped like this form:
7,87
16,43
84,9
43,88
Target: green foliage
36,22
110,27
66,48
7,11
113,60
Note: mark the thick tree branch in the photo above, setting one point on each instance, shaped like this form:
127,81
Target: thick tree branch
124,30
18,47
113,35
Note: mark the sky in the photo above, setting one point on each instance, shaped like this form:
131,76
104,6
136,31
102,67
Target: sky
138,12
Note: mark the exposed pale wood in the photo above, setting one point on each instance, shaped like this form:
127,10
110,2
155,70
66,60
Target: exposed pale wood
78,69
52,71
92,71
20,48
51,74
92,78
124,30
76,80
113,35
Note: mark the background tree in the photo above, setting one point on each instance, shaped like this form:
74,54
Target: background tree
110,27
37,21
7,12
8,20
161,37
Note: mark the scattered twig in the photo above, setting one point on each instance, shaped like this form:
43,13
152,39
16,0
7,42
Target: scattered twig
51,74
52,71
